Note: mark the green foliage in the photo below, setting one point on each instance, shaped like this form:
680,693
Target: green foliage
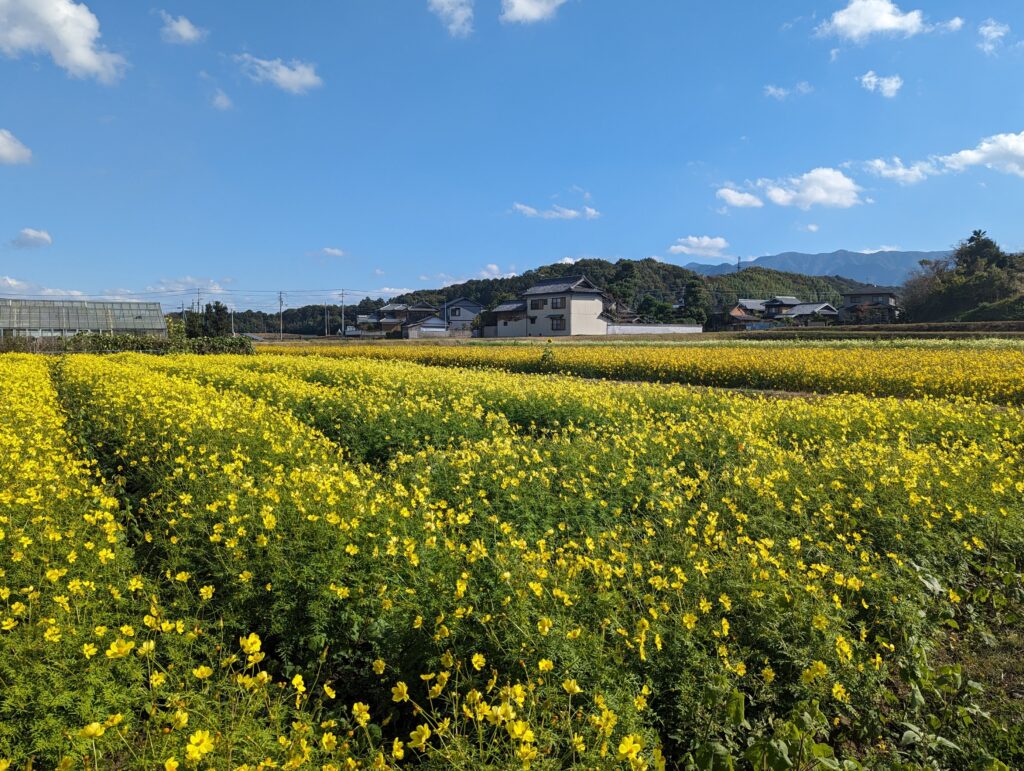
174,343
978,282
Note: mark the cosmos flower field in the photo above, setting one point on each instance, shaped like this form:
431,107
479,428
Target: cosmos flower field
358,561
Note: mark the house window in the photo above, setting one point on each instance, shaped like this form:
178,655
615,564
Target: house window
455,312
533,319
557,302
537,305
504,323
557,325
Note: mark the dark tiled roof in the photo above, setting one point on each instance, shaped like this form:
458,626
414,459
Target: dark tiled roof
783,300
394,307
809,309
564,284
510,307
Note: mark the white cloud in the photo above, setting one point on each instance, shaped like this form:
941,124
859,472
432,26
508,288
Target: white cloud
180,30
11,150
556,212
527,11
888,86
905,175
12,286
68,31
1002,152
456,14
492,270
992,34
739,199
187,284
811,228
221,100
378,272
701,246
818,187
779,92
331,251
30,238
392,290
833,55
296,77
568,260
882,248
862,19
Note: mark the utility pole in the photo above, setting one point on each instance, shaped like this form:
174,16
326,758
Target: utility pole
280,315
327,332
342,314
232,320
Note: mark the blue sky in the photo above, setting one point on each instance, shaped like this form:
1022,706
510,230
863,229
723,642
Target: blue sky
400,144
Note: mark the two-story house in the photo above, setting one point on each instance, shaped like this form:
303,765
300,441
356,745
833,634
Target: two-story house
460,313
572,305
777,306
869,307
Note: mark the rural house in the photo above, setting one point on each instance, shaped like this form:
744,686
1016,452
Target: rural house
460,313
571,305
869,307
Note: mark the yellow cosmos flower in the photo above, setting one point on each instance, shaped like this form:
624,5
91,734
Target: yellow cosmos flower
93,731
419,736
361,713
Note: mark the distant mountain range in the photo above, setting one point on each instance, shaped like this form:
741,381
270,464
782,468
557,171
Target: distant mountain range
888,268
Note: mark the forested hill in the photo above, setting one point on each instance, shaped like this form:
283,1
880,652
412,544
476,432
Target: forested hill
634,281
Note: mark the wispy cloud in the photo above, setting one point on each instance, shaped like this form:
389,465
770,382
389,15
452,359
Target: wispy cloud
221,100
180,31
492,270
557,212
10,286
13,151
529,11
295,77
992,34
887,86
68,31
30,238
457,15
739,199
781,93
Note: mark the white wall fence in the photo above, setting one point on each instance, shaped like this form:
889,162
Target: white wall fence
654,329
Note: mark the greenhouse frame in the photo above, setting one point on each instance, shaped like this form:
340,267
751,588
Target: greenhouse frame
64,318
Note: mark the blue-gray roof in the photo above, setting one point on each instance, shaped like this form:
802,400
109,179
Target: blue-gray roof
783,300
465,302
